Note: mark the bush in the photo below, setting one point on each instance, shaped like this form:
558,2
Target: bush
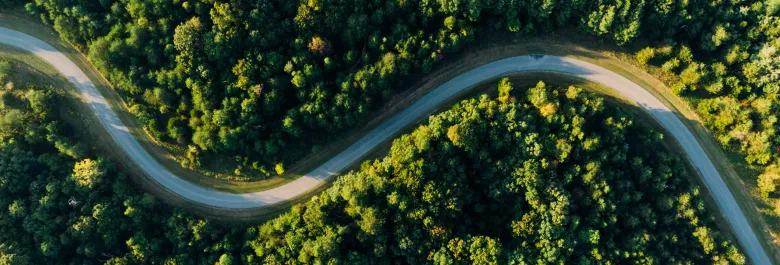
645,55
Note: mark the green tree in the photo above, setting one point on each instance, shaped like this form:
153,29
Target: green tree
504,90
88,173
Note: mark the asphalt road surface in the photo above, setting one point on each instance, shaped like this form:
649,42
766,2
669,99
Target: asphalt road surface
386,130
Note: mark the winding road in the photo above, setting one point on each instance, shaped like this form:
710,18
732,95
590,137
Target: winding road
385,131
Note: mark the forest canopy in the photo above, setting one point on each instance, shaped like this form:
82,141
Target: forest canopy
546,176
566,177
268,81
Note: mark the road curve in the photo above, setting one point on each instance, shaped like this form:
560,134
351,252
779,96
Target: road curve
424,105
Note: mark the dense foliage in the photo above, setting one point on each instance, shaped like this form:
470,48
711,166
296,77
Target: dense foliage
554,178
253,78
732,77
61,205
564,178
